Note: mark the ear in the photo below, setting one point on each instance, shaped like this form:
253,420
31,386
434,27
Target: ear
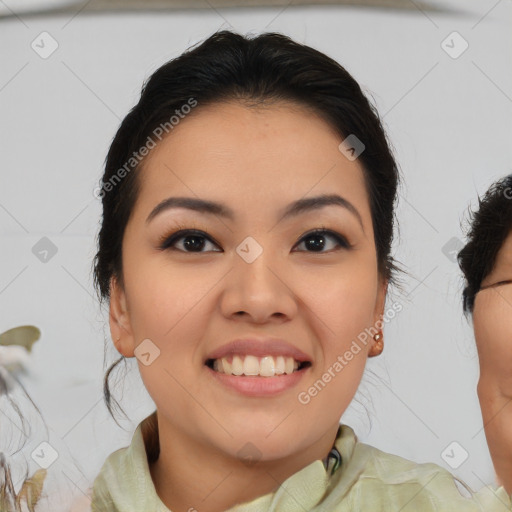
378,315
380,302
120,327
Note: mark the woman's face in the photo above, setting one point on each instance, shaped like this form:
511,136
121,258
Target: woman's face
252,274
492,320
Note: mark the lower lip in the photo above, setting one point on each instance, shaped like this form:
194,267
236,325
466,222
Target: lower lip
259,386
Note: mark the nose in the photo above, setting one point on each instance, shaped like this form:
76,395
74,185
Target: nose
258,289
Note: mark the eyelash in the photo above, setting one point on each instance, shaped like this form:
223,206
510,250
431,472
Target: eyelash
166,241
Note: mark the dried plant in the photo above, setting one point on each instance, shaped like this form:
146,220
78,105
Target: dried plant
26,499
29,494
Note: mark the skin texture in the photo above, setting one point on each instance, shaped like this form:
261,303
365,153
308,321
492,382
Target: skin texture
256,161
492,320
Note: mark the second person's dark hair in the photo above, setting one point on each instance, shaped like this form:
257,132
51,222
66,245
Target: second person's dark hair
490,225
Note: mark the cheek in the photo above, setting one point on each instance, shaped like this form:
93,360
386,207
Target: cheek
349,308
344,301
161,296
165,306
342,310
492,320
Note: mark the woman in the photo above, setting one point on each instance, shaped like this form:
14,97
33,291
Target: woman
248,212
486,261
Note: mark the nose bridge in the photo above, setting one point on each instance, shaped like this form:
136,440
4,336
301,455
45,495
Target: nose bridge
254,260
255,286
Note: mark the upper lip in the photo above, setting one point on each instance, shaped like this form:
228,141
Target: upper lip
259,347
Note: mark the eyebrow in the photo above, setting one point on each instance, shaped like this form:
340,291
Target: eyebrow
293,209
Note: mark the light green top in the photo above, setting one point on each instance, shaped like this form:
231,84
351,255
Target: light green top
367,480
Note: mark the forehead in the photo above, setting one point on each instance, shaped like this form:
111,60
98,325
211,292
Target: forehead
504,259
503,265
253,158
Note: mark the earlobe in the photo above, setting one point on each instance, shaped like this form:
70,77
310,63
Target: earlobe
377,348
378,345
119,320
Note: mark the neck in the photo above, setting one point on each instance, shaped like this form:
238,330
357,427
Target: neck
189,475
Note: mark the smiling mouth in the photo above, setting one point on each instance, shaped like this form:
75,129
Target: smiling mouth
249,365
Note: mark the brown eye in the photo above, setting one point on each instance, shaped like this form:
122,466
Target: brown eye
317,240
192,241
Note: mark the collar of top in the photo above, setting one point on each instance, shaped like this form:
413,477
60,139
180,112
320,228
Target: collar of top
301,491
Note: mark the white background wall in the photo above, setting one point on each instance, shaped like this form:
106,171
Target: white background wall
450,121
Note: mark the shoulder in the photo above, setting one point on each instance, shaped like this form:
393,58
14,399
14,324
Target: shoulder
124,482
116,476
394,469
375,480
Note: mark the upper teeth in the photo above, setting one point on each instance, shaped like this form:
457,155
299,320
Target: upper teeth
267,366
